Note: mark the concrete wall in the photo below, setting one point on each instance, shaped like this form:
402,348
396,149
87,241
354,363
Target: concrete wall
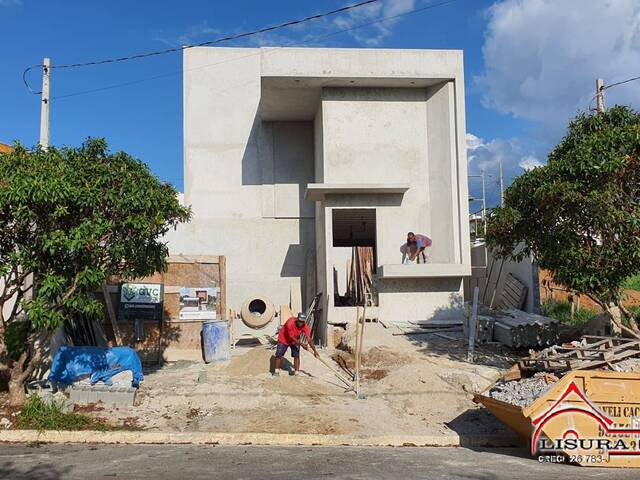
405,136
244,178
247,164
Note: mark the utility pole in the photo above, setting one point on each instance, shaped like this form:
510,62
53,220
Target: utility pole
484,204
501,185
600,95
46,103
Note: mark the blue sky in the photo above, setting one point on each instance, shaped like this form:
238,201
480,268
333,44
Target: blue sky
529,66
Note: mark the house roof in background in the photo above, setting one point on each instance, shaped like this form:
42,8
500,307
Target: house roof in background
5,148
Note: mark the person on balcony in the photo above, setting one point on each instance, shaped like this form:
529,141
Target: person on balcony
416,244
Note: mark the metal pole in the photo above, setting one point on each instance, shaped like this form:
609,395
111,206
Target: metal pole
484,205
501,185
600,95
46,103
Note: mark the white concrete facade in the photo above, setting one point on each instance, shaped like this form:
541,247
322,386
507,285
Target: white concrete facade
364,129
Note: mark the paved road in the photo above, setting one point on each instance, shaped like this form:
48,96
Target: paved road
186,462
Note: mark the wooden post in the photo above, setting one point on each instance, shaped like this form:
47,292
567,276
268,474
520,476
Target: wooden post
356,358
600,95
112,314
472,325
359,338
222,266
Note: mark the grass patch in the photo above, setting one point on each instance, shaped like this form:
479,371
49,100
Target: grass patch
40,414
632,283
562,311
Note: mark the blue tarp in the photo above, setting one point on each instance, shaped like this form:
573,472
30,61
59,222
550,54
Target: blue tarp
74,363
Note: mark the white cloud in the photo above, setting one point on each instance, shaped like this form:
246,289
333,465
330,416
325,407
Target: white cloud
542,57
485,156
374,35
529,162
315,33
195,34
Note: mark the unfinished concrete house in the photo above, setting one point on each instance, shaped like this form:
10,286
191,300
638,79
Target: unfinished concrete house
294,156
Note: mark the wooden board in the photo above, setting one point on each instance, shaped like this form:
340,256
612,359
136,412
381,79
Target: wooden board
285,313
295,296
514,293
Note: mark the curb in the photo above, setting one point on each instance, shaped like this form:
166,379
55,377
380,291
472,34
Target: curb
210,438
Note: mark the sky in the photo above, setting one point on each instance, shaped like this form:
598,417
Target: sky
530,66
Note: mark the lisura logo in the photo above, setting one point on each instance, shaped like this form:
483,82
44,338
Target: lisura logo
613,440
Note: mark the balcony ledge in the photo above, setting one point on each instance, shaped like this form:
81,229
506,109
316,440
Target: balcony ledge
317,191
428,270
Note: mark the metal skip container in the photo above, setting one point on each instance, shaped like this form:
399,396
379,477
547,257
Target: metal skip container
587,404
216,343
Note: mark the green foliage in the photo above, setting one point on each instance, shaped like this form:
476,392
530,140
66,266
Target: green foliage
38,414
579,215
632,283
562,311
75,216
15,338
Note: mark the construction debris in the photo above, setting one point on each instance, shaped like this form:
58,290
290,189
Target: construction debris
522,392
590,352
519,387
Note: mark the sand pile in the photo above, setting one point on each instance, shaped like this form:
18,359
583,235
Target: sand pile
256,361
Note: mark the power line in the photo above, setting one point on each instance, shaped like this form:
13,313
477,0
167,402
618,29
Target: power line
201,44
620,83
606,87
292,44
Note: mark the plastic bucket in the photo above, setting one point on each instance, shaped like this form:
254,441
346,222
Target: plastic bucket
216,344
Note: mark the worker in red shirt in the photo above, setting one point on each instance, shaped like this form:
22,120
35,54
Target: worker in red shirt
289,336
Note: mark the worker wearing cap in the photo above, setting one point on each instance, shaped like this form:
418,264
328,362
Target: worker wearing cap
289,336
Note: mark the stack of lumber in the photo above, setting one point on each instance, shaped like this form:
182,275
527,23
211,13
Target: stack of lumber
590,352
360,275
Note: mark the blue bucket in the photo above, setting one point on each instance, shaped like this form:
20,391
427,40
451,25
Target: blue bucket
216,343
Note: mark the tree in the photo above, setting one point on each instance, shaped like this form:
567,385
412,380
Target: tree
579,215
69,219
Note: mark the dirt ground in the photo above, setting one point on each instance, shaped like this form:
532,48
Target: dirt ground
412,385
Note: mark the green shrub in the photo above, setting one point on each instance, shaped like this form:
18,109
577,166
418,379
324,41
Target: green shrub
632,283
562,311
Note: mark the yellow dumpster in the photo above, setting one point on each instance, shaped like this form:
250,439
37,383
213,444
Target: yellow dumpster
591,416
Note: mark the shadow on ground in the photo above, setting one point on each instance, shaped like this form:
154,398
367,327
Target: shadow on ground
474,423
43,471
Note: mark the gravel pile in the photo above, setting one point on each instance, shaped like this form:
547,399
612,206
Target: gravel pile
522,392
628,365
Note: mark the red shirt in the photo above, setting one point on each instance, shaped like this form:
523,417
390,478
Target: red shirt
290,333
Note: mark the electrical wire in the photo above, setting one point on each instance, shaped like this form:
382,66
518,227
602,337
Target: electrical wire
292,44
620,83
201,44
606,87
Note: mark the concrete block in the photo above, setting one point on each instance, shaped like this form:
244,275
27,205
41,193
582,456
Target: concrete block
112,395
